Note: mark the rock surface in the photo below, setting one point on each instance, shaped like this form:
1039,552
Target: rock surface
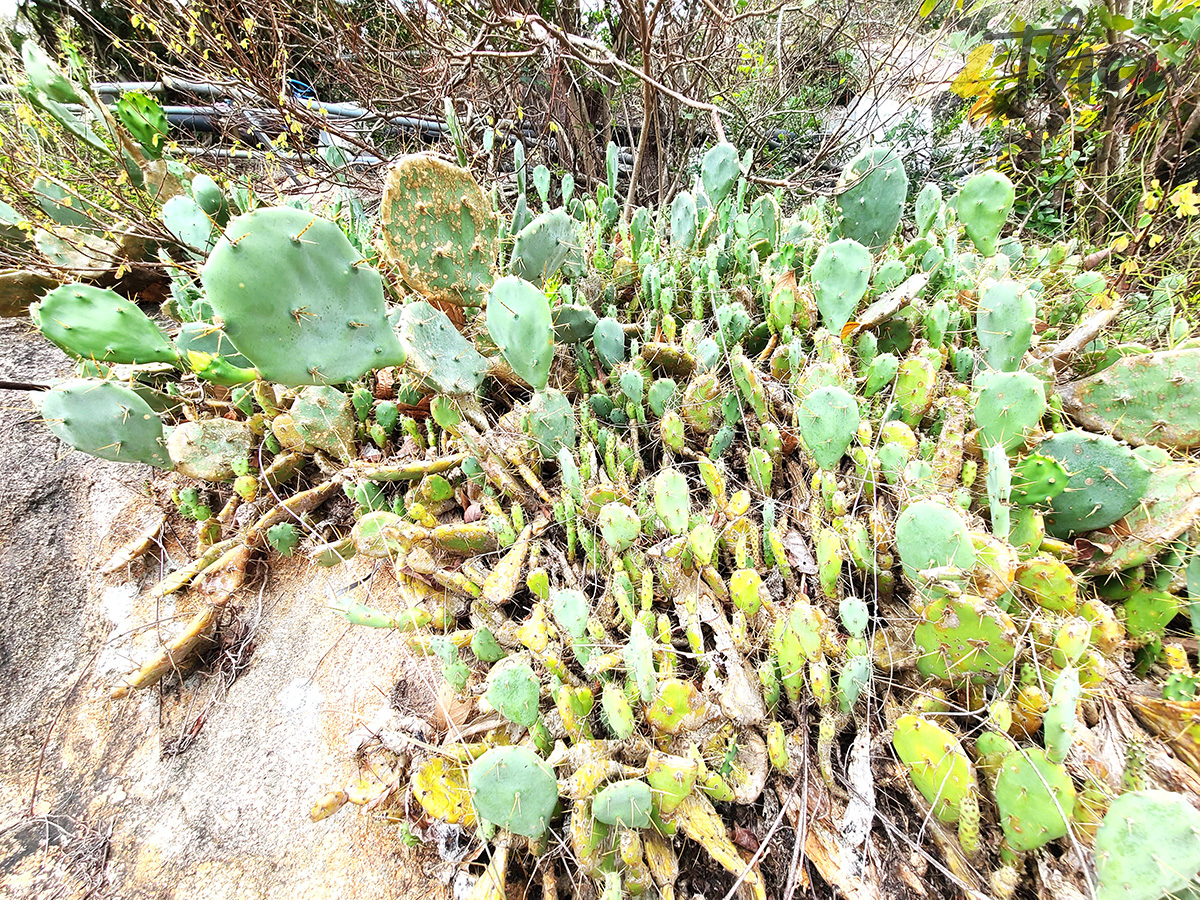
92,799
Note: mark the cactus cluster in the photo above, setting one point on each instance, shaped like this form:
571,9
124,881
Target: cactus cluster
685,484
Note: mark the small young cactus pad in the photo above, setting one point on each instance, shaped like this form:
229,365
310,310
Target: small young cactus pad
625,803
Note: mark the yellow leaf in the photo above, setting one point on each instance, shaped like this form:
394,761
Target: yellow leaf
927,8
977,69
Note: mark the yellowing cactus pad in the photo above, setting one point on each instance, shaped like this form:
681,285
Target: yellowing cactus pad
440,786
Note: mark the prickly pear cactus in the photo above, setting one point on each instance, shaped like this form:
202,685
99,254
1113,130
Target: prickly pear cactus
871,196
105,420
440,230
298,300
97,324
1147,847
689,486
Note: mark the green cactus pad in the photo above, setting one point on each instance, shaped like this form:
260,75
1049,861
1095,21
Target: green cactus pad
1009,407
514,690
1105,481
519,321
1147,847
1035,798
570,609
440,229
325,420
1049,583
964,637
618,714
671,500
1147,612
797,641
189,224
550,422
671,779
514,789
105,420
677,707
573,323
626,803
839,277
684,220
608,338
298,300
98,324
619,526
1038,479
1004,324
1152,398
871,196
829,419
881,372
983,205
1061,719
929,534
928,208
916,382
542,246
936,762
719,172
438,352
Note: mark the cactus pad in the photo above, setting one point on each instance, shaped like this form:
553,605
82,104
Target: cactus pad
1035,798
298,300
871,196
1152,398
512,788
437,352
840,276
829,419
513,689
105,420
964,637
1148,846
937,763
625,803
1106,480
94,323
983,206
1004,324
1009,407
543,246
440,229
931,535
519,321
